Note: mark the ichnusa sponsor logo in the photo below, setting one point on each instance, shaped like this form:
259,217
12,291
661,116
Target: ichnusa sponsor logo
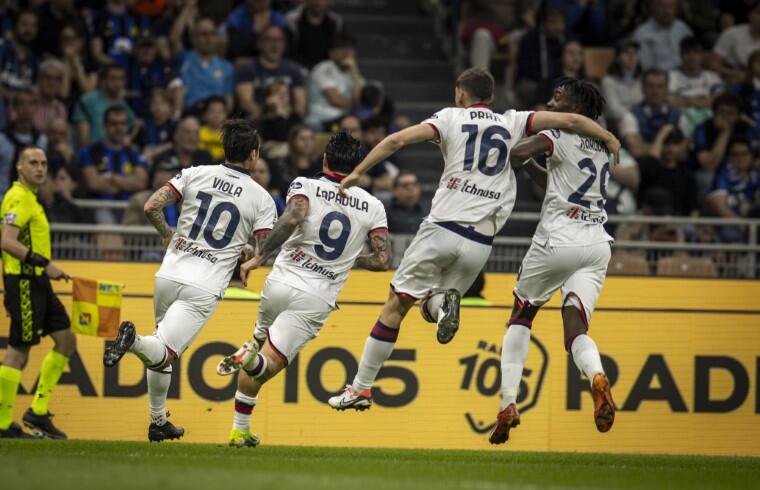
465,186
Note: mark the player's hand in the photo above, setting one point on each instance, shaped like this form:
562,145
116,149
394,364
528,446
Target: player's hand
613,146
56,273
247,253
249,265
349,180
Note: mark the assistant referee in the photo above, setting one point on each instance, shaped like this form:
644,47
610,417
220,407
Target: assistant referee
33,307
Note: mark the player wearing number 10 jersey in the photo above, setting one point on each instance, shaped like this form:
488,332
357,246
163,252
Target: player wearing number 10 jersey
222,209
570,251
475,197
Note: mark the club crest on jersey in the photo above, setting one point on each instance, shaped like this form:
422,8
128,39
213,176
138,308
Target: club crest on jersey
295,186
555,133
457,184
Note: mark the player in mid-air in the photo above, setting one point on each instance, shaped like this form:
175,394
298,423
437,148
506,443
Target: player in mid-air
222,210
570,251
475,197
322,233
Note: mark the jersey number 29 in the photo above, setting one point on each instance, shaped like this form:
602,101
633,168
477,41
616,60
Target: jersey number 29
577,196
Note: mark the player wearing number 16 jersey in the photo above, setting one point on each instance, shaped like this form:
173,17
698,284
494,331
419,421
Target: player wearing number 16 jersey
570,251
222,209
475,197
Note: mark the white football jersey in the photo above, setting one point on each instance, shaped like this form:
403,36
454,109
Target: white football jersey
221,207
477,181
573,210
319,255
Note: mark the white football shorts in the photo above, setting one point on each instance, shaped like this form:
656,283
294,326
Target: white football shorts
181,312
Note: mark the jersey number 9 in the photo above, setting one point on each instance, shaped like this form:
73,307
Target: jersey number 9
337,244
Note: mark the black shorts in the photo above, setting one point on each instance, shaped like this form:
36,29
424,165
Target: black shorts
34,309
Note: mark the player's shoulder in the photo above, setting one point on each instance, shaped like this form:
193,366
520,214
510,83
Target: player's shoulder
514,114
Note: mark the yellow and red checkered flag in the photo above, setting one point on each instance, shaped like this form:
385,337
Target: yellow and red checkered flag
96,307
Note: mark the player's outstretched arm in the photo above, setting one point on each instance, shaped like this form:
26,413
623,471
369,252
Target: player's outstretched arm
380,258
390,145
521,155
154,211
576,123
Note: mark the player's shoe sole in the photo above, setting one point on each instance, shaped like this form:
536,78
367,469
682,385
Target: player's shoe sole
449,323
241,439
604,407
121,344
166,432
239,359
41,426
506,419
350,399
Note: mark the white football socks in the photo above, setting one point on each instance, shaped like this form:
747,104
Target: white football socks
514,353
244,405
377,350
158,388
586,356
150,350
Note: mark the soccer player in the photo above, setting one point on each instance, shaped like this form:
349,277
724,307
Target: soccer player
475,197
222,209
34,308
322,233
570,251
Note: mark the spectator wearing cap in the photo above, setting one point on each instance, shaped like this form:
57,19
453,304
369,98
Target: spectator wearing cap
203,73
114,33
667,167
253,77
641,124
50,90
621,86
661,35
749,89
246,23
313,27
405,214
147,71
537,55
90,108
334,85
692,88
735,45
18,62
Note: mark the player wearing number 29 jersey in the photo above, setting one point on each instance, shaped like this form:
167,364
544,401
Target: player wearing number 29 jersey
222,209
473,201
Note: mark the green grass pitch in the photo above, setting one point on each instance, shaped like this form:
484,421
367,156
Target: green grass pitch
60,465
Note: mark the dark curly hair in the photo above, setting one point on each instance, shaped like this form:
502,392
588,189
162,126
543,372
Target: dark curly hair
584,94
343,153
239,139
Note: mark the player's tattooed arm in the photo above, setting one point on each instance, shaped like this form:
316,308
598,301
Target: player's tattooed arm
379,259
294,214
522,154
154,210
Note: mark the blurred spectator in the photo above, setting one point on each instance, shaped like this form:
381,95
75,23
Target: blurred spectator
736,189
691,87
641,124
278,117
485,24
313,27
405,214
623,183
352,125
114,33
203,73
214,115
735,44
537,55
749,89
7,14
113,169
299,161
20,133
373,102
622,17
18,63
667,167
374,130
660,36
147,72
246,23
80,75
710,139
185,15
261,174
334,84
584,19
61,208
254,77
183,153
54,16
50,90
571,60
60,152
156,131
621,86
90,108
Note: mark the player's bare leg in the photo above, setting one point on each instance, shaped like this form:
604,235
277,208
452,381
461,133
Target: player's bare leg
514,353
377,350
253,374
442,308
587,358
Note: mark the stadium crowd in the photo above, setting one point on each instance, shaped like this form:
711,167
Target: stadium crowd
124,93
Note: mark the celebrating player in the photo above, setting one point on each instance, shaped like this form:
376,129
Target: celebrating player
322,232
473,201
570,250
222,208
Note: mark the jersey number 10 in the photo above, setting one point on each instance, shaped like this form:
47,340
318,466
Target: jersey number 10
216,213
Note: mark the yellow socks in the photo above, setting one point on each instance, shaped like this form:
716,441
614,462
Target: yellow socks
52,368
9,381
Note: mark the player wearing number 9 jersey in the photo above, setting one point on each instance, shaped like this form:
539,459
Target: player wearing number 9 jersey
222,209
570,251
322,233
474,199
